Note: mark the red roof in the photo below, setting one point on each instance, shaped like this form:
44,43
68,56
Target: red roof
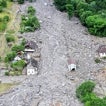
70,61
102,49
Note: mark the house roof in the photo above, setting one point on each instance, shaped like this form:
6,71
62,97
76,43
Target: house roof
70,61
31,44
102,49
34,63
29,66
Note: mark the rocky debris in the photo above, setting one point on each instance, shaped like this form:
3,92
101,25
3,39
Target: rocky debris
60,37
35,102
100,91
10,44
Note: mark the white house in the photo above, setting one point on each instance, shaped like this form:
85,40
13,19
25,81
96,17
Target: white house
102,51
31,70
71,65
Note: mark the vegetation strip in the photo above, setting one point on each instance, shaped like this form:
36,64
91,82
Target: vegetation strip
92,13
85,94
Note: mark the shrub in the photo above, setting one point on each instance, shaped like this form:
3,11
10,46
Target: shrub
31,0
88,97
70,10
6,18
10,56
1,9
3,3
84,15
31,10
0,59
96,25
84,89
17,73
82,5
20,1
101,4
23,42
3,26
97,60
29,23
0,19
18,48
19,65
7,73
60,4
11,73
84,93
10,38
96,102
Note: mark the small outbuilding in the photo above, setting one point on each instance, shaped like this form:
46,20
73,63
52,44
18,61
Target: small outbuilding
102,51
71,65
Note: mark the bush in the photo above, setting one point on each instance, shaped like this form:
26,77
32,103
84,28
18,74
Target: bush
31,10
84,93
96,102
101,4
84,15
3,3
0,59
3,26
6,18
84,89
70,10
10,56
20,1
60,4
23,42
7,73
10,38
1,9
97,60
18,48
30,0
19,65
82,5
96,25
29,23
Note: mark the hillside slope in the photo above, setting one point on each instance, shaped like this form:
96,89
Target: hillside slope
60,38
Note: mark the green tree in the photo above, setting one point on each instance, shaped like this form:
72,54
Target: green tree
60,4
70,10
101,4
20,1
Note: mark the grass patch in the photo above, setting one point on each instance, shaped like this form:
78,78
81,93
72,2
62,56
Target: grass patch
5,87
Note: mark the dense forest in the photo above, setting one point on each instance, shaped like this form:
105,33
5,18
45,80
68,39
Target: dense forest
92,13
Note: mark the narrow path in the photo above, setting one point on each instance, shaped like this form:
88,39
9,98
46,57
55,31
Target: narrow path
60,37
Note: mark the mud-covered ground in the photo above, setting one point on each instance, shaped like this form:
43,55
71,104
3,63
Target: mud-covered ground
60,38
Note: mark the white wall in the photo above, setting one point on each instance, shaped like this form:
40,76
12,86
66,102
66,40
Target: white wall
31,71
71,66
102,55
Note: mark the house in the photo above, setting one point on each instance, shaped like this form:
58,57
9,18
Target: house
102,51
71,65
31,70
